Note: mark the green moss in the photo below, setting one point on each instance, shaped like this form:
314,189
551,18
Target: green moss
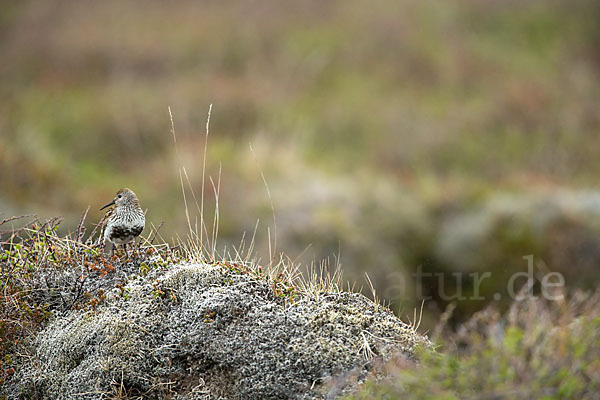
532,356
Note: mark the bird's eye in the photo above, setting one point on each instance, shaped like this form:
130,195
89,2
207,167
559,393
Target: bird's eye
120,196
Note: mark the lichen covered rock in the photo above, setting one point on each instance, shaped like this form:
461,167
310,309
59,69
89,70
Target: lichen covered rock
211,331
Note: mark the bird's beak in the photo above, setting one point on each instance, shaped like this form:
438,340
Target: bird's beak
109,204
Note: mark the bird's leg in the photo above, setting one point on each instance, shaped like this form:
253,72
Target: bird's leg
105,248
125,248
135,246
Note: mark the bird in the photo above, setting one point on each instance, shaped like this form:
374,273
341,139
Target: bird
123,221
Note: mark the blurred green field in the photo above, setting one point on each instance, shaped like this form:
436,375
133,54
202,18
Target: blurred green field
377,127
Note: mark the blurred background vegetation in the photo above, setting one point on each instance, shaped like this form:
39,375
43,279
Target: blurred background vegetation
457,136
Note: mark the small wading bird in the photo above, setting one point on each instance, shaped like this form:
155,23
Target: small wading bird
123,222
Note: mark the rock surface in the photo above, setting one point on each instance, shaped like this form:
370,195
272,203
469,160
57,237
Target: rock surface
211,331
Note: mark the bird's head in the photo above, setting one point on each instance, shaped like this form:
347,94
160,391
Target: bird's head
123,197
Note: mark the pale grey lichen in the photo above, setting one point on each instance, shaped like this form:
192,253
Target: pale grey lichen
211,333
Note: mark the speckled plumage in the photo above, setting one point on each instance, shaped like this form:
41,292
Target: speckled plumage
124,220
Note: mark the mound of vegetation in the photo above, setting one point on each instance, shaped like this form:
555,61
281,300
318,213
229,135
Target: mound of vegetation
166,324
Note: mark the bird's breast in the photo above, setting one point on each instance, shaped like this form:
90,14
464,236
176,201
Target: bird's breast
124,227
